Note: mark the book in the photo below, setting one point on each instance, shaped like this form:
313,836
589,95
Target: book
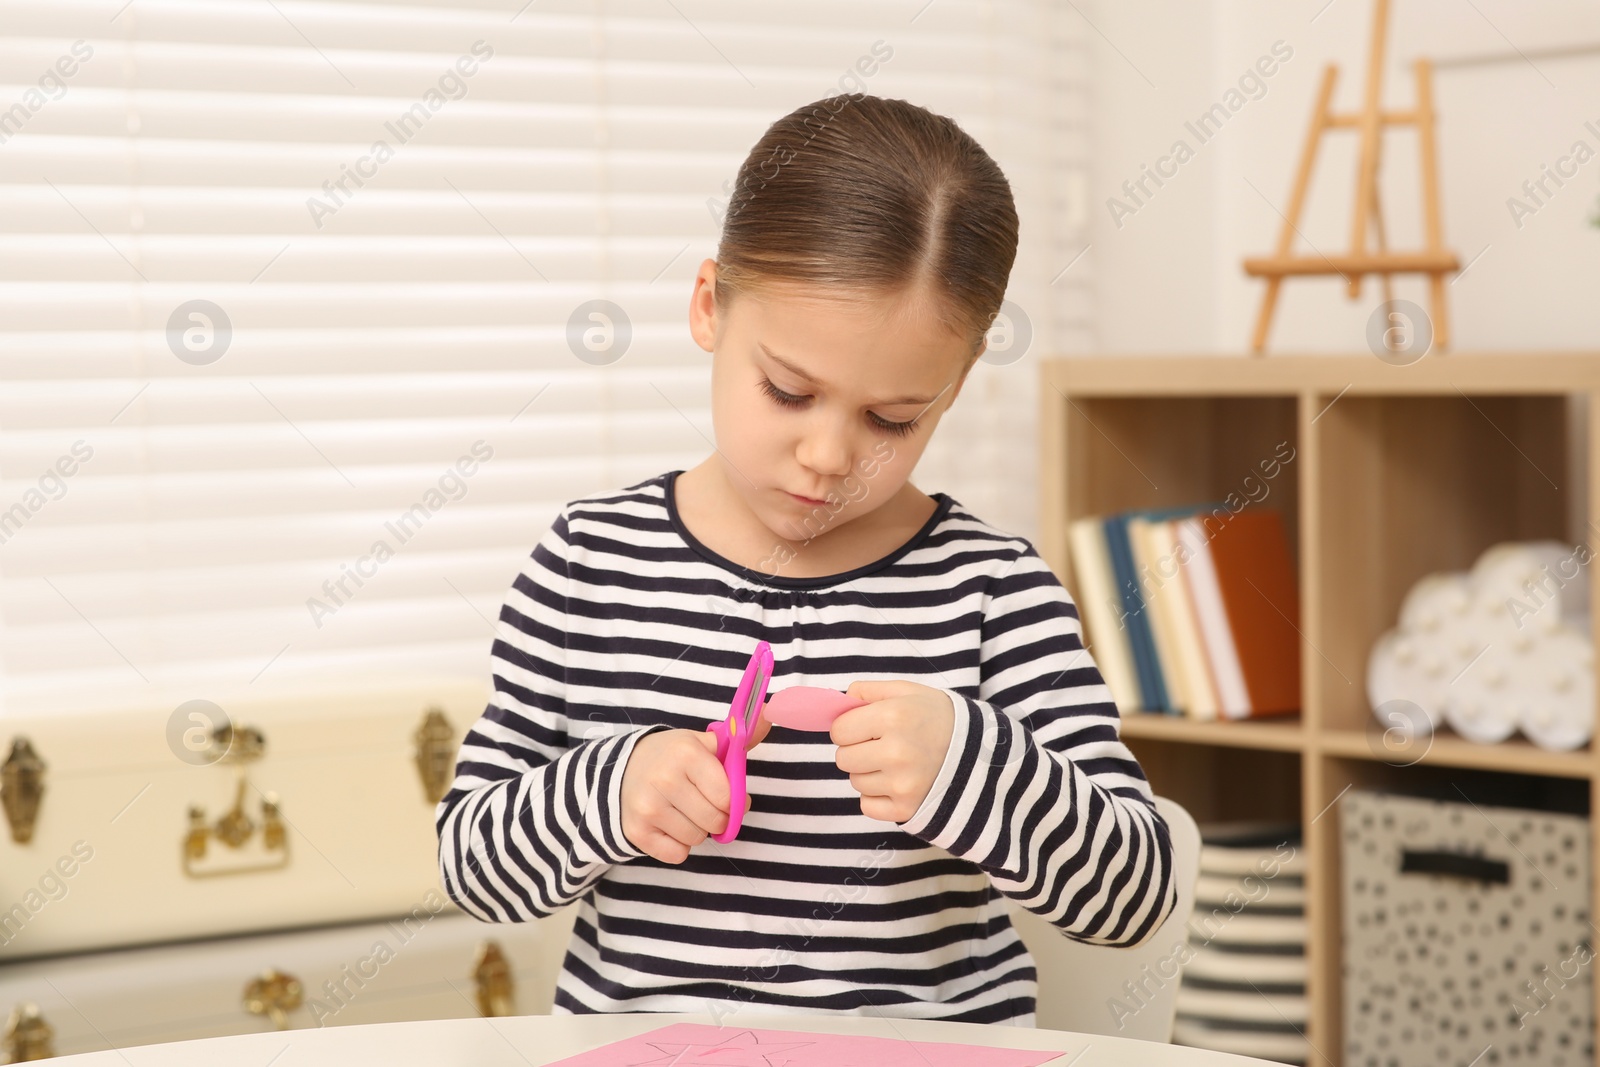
1205,594
1152,694
1260,593
1147,563
1099,608
1182,624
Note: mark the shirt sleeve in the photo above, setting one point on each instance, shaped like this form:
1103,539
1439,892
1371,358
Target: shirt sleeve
1037,787
533,817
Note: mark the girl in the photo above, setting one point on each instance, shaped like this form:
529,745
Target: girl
864,256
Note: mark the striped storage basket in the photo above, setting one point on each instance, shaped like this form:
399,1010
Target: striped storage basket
1244,986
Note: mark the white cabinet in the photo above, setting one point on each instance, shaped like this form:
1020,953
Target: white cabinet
410,967
105,925
105,865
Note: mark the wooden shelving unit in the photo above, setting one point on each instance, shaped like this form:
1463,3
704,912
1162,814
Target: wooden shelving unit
1397,472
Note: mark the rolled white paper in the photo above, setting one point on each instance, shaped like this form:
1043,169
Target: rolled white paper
1435,602
1395,671
1479,705
1504,645
1559,714
1533,583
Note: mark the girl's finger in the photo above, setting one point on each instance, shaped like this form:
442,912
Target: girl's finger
861,757
664,847
682,829
759,733
703,795
710,779
705,815
858,724
870,784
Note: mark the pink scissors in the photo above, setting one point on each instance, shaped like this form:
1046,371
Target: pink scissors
733,736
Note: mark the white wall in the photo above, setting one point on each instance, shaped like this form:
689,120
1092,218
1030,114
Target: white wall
1169,278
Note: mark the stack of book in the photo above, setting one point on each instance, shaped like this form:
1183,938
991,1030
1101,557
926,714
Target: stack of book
1191,610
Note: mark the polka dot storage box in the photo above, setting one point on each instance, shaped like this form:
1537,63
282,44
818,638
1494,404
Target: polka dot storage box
1466,933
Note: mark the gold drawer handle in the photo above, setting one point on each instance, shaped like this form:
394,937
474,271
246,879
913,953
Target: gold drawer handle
274,994
435,754
22,788
235,828
491,974
28,1037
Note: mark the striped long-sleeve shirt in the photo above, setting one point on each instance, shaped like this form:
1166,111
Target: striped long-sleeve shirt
621,622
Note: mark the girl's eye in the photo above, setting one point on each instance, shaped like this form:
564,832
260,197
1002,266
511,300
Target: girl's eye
789,400
899,429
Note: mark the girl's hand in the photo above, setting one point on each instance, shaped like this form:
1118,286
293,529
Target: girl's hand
675,791
893,747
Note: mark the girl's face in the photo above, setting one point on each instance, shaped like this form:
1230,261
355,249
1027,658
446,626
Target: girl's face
823,397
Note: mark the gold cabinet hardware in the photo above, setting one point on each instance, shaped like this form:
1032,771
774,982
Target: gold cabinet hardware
238,744
235,828
274,994
272,834
435,755
22,788
27,1036
491,973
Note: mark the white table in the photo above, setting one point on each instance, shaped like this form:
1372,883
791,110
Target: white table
532,1040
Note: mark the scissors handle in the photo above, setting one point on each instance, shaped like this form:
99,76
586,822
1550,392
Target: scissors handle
733,762
733,735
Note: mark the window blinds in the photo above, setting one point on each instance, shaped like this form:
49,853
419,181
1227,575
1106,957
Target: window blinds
286,387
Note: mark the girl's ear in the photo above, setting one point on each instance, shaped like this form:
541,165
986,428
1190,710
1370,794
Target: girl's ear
703,307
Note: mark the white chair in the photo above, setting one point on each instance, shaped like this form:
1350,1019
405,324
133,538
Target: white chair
1082,987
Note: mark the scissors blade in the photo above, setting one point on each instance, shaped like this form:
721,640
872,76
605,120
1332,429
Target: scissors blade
753,699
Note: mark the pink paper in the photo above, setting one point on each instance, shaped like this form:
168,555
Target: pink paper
701,1045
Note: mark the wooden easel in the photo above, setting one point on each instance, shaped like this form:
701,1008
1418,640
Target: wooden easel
1433,260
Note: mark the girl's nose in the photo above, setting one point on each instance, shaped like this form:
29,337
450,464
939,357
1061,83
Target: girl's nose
825,451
